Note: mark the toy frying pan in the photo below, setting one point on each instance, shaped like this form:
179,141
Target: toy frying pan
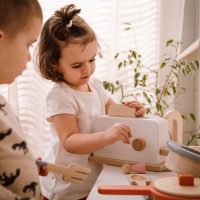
167,188
183,159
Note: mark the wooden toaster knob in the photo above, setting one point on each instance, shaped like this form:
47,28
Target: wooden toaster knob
138,144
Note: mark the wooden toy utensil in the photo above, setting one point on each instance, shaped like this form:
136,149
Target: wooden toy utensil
75,173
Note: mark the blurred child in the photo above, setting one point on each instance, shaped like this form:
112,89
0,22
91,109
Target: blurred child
67,51
20,25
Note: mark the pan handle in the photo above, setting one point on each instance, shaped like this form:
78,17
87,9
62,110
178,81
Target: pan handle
184,151
125,190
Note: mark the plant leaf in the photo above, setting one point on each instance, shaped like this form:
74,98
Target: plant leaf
162,65
192,116
169,42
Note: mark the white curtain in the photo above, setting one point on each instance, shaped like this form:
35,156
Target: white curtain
107,18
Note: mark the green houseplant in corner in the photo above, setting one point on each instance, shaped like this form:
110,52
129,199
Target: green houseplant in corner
156,95
195,138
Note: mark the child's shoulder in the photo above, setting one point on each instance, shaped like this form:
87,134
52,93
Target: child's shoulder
96,82
58,88
59,91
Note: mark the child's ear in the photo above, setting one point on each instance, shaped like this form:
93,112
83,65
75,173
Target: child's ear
1,35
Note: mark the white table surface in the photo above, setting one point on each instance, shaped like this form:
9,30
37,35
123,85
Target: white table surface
112,175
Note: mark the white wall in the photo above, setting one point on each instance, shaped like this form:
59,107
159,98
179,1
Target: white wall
189,102
171,25
180,21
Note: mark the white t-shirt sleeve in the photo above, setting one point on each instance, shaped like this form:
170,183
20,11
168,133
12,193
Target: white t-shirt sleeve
60,102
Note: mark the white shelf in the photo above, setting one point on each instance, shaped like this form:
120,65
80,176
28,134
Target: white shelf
192,52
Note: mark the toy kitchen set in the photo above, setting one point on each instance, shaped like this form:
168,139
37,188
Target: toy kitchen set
157,142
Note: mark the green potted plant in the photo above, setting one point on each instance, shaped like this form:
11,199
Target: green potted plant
154,95
195,137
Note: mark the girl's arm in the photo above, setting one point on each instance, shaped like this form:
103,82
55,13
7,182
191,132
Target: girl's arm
108,104
83,143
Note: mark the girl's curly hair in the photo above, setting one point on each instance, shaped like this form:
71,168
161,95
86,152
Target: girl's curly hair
64,27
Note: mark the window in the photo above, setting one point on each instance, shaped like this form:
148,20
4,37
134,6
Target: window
107,18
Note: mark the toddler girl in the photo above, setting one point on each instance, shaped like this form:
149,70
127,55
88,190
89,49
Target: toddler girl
67,50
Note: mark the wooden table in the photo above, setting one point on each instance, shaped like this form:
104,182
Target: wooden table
112,175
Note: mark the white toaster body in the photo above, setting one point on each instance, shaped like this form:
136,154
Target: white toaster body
149,135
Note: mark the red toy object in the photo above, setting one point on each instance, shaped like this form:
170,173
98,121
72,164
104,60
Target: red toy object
186,179
167,188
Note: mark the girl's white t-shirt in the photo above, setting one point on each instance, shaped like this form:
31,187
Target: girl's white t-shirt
86,106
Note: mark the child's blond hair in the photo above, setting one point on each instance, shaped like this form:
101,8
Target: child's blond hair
19,17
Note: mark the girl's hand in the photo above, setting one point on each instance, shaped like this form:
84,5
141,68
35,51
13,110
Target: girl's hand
140,111
42,171
117,132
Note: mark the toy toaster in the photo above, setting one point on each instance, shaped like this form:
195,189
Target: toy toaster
149,136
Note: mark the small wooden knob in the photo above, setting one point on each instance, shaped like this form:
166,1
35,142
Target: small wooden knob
139,144
126,168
